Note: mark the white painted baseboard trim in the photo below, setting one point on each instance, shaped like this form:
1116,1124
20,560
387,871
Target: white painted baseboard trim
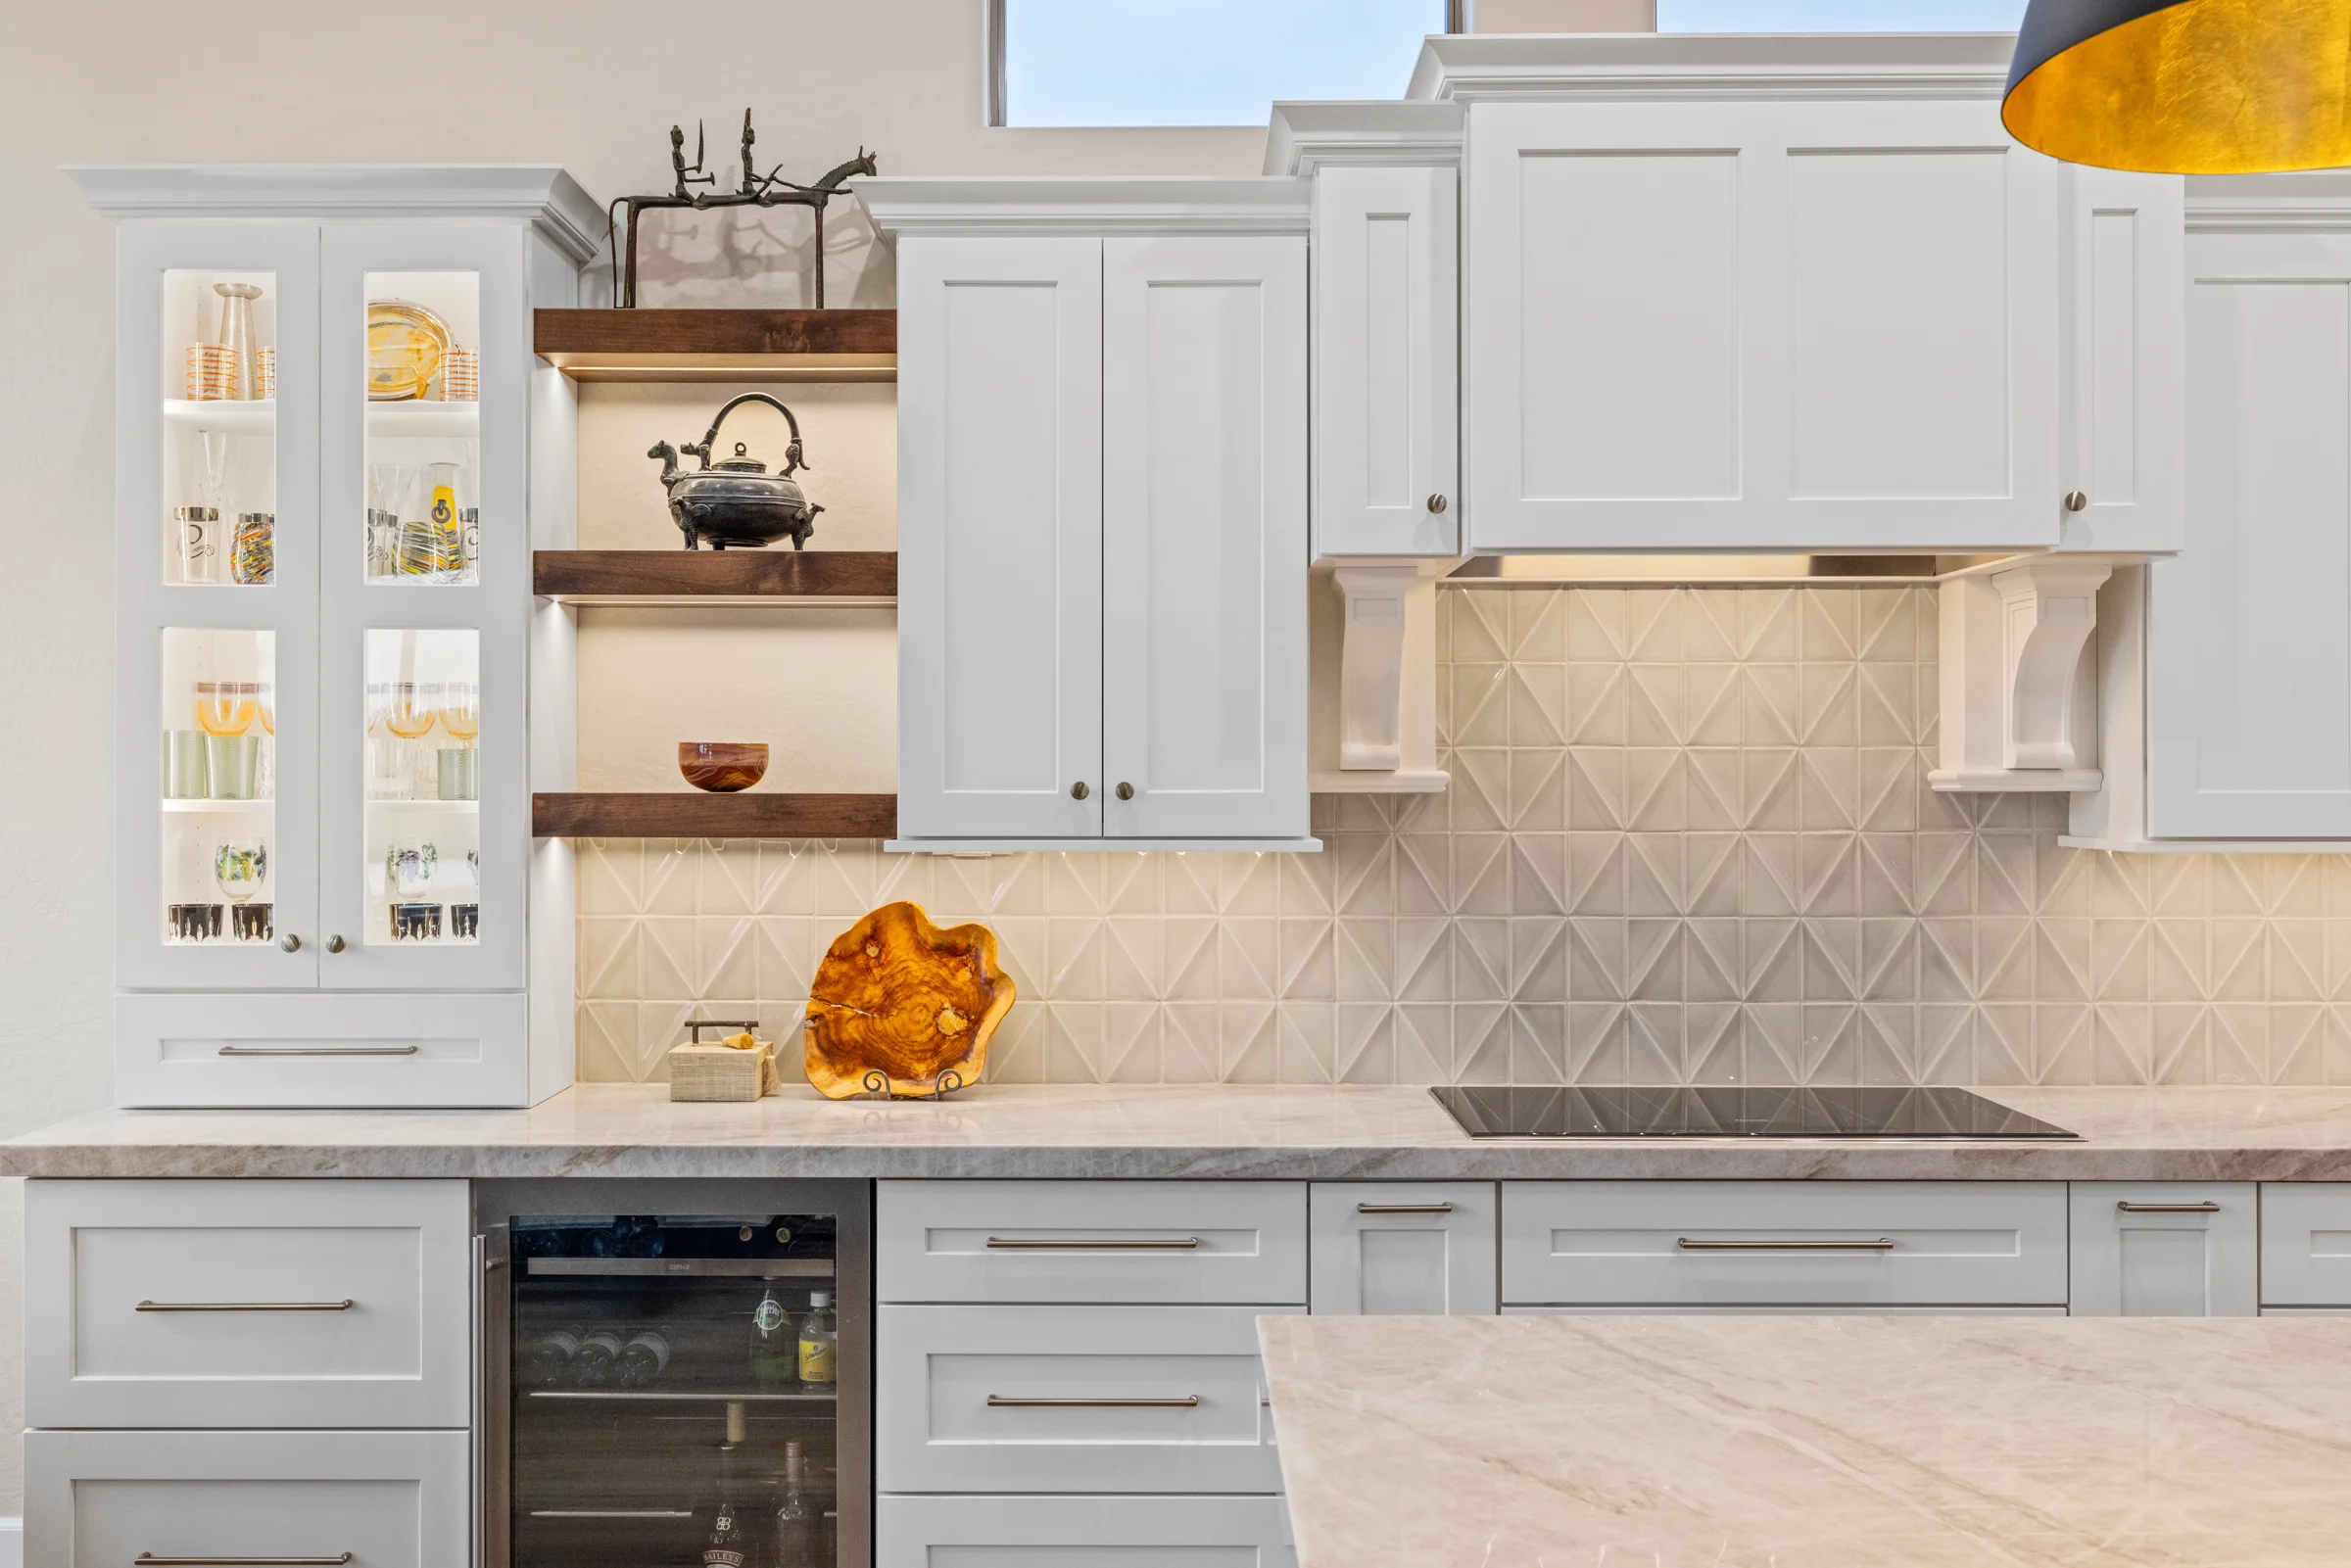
12,1544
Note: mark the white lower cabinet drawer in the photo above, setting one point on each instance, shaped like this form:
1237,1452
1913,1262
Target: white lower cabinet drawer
2166,1249
251,1304
1091,1241
1070,1399
1415,1247
1759,1243
1087,1532
110,1499
2306,1244
322,1048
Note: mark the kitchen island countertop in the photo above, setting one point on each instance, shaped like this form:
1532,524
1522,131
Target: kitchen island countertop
1819,1441
1160,1132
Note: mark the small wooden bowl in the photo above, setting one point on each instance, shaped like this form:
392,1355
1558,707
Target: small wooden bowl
722,767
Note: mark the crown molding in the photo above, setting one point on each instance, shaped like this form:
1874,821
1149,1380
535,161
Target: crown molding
1469,68
1169,204
1387,133
543,194
2318,202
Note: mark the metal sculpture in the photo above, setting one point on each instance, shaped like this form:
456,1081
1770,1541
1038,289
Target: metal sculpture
770,189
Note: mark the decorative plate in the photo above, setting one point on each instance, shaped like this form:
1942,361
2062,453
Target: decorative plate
898,1003
405,346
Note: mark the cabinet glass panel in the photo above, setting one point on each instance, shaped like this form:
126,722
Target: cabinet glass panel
424,426
219,503
422,852
220,805
675,1384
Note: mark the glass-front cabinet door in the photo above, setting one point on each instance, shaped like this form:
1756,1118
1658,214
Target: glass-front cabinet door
424,483
217,643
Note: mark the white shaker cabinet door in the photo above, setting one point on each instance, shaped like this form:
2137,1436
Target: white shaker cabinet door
1204,547
2125,327
1759,325
999,538
2249,627
2166,1249
1412,1247
1387,362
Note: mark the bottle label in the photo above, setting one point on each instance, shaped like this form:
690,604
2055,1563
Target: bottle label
769,1316
719,1557
816,1361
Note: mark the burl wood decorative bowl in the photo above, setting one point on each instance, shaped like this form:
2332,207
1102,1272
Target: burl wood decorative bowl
899,997
722,767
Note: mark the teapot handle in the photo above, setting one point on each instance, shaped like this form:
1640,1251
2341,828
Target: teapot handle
793,461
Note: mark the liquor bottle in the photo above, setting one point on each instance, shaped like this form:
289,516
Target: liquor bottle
549,1359
771,1342
820,1342
728,1544
642,1358
599,1359
800,1525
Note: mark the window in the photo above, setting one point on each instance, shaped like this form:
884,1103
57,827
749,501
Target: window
1839,15
1195,62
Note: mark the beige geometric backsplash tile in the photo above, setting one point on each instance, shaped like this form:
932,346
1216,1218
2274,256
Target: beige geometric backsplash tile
1689,839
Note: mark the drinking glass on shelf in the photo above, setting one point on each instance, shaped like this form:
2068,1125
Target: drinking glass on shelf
264,709
227,707
388,486
239,868
461,711
386,779
411,718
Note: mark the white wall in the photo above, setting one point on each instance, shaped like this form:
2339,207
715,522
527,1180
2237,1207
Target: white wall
592,84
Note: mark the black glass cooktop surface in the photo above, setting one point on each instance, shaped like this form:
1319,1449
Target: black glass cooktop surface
1735,1113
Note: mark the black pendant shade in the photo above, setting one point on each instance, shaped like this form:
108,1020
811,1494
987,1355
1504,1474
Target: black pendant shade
2185,86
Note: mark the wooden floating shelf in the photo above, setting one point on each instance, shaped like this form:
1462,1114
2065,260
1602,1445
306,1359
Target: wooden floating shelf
838,577
747,815
719,345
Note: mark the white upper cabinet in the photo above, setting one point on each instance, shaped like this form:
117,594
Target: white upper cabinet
1102,449
1001,537
2121,449
1753,294
2248,698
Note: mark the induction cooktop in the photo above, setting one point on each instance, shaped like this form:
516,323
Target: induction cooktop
1740,1112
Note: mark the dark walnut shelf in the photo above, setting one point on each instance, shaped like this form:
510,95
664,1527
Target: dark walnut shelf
747,815
844,577
719,345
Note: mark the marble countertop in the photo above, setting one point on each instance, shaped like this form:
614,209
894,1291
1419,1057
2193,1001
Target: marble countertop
1016,1130
1822,1442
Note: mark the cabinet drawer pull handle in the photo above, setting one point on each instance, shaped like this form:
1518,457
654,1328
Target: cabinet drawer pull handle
320,1050
148,1559
2169,1208
1113,1243
343,1305
1883,1244
612,1513
1404,1209
999,1401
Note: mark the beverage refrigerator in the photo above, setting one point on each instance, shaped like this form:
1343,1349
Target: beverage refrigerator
674,1372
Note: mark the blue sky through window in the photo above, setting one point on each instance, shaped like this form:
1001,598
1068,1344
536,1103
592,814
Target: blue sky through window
1203,62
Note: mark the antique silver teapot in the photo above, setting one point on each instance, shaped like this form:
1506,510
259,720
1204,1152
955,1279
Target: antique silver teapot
736,500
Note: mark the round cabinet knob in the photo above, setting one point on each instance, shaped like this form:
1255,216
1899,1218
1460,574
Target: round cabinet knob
290,943
1125,790
1078,790
1436,504
334,944
2074,501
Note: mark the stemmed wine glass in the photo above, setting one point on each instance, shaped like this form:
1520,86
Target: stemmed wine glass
461,712
415,708
227,707
239,868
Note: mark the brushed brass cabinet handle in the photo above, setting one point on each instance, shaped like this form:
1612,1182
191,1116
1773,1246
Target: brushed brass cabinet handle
1404,1209
343,1305
1883,1244
999,1401
148,1559
2169,1208
1114,1243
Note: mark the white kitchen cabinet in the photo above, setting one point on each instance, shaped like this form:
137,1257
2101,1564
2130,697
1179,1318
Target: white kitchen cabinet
1083,1532
374,1499
1103,512
251,1304
2306,1244
1137,1242
1387,360
1753,294
1784,1243
323,615
2166,1250
1071,1398
1382,1247
2125,331
2225,671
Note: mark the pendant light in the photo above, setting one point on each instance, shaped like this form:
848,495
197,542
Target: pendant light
2185,86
